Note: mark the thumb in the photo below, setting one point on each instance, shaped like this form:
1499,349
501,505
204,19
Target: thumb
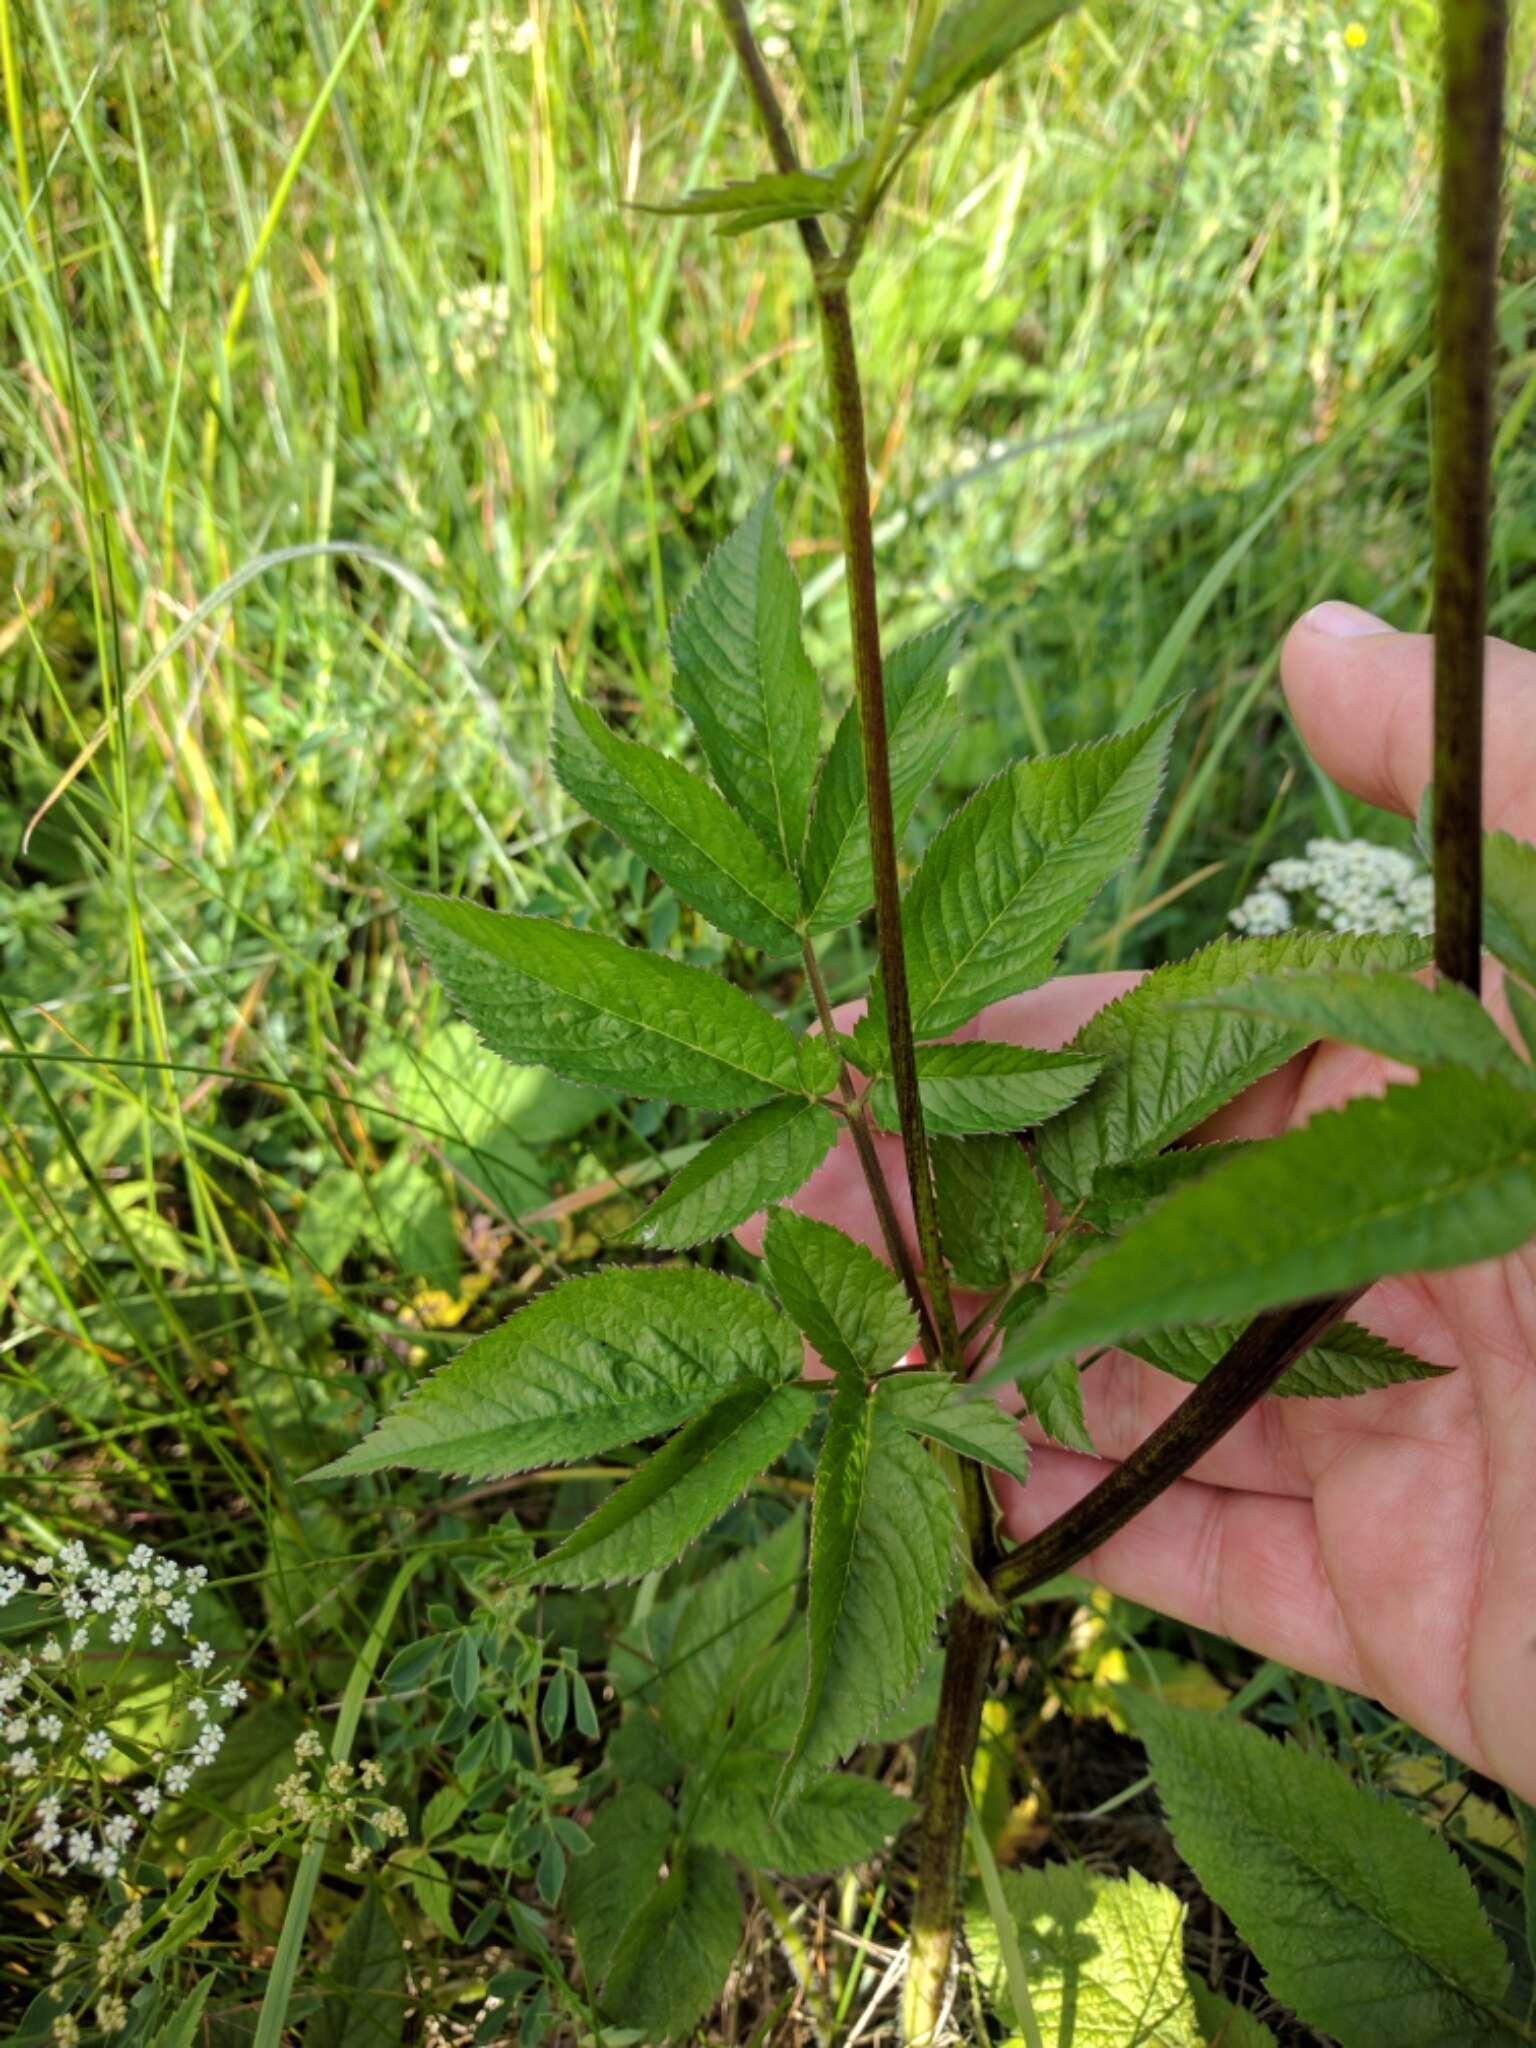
1363,700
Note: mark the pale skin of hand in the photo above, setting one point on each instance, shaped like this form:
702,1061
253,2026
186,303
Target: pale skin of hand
1386,1543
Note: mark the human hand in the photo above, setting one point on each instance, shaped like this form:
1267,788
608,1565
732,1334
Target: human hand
1386,1542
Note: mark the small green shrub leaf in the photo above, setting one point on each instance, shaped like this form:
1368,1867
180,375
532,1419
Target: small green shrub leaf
630,1834
1509,902
839,1820
757,1160
1168,1065
883,1532
1366,1924
933,1405
676,822
1425,1177
743,677
363,1997
1103,1957
684,1487
969,42
610,1014
1007,878
726,1632
742,204
593,1363
675,1953
836,877
991,1209
849,1303
978,1087
1349,1360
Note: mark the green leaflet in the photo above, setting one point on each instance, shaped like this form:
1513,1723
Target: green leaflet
840,1819
676,1952
1167,1065
726,1632
1011,873
675,822
605,1890
1509,901
883,1534
746,203
1349,1360
1366,1924
744,679
753,1162
592,1363
1104,1958
684,1487
933,1405
1390,1014
1227,2025
1121,1193
969,42
609,1014
182,2028
1522,1007
835,876
991,1209
849,1303
364,2002
1053,1394
1427,1177
978,1087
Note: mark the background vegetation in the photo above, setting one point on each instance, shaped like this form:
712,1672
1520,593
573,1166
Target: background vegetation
336,423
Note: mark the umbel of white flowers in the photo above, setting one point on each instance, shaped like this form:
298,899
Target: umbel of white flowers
1347,885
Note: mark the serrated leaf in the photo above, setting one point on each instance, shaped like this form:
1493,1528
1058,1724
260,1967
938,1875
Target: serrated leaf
931,1404
1103,1958
1012,872
678,825
1167,1066
594,1362
1349,1360
743,677
1366,1924
610,1014
849,1303
754,1162
978,1087
675,1954
725,1633
1509,901
1053,1394
181,2029
883,1533
1426,1177
969,42
836,878
1390,1014
630,1836
840,1820
746,203
687,1485
363,1988
991,1209
1122,1193
1224,2024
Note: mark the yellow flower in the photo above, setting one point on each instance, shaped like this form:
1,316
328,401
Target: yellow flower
1354,36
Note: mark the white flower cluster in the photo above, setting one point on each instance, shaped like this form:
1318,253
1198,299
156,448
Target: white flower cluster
48,1725
500,34
338,1794
1348,885
476,322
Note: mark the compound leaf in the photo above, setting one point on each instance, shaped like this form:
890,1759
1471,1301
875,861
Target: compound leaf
677,1950
745,680
593,1363
933,1405
726,1631
883,1532
836,877
1349,1360
604,1891
991,1209
1168,1065
741,204
969,42
1012,872
977,1087
838,1821
676,822
757,1160
849,1303
598,1011
1366,1924
1423,1178
683,1488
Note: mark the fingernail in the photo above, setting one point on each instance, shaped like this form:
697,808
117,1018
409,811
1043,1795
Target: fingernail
1344,621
